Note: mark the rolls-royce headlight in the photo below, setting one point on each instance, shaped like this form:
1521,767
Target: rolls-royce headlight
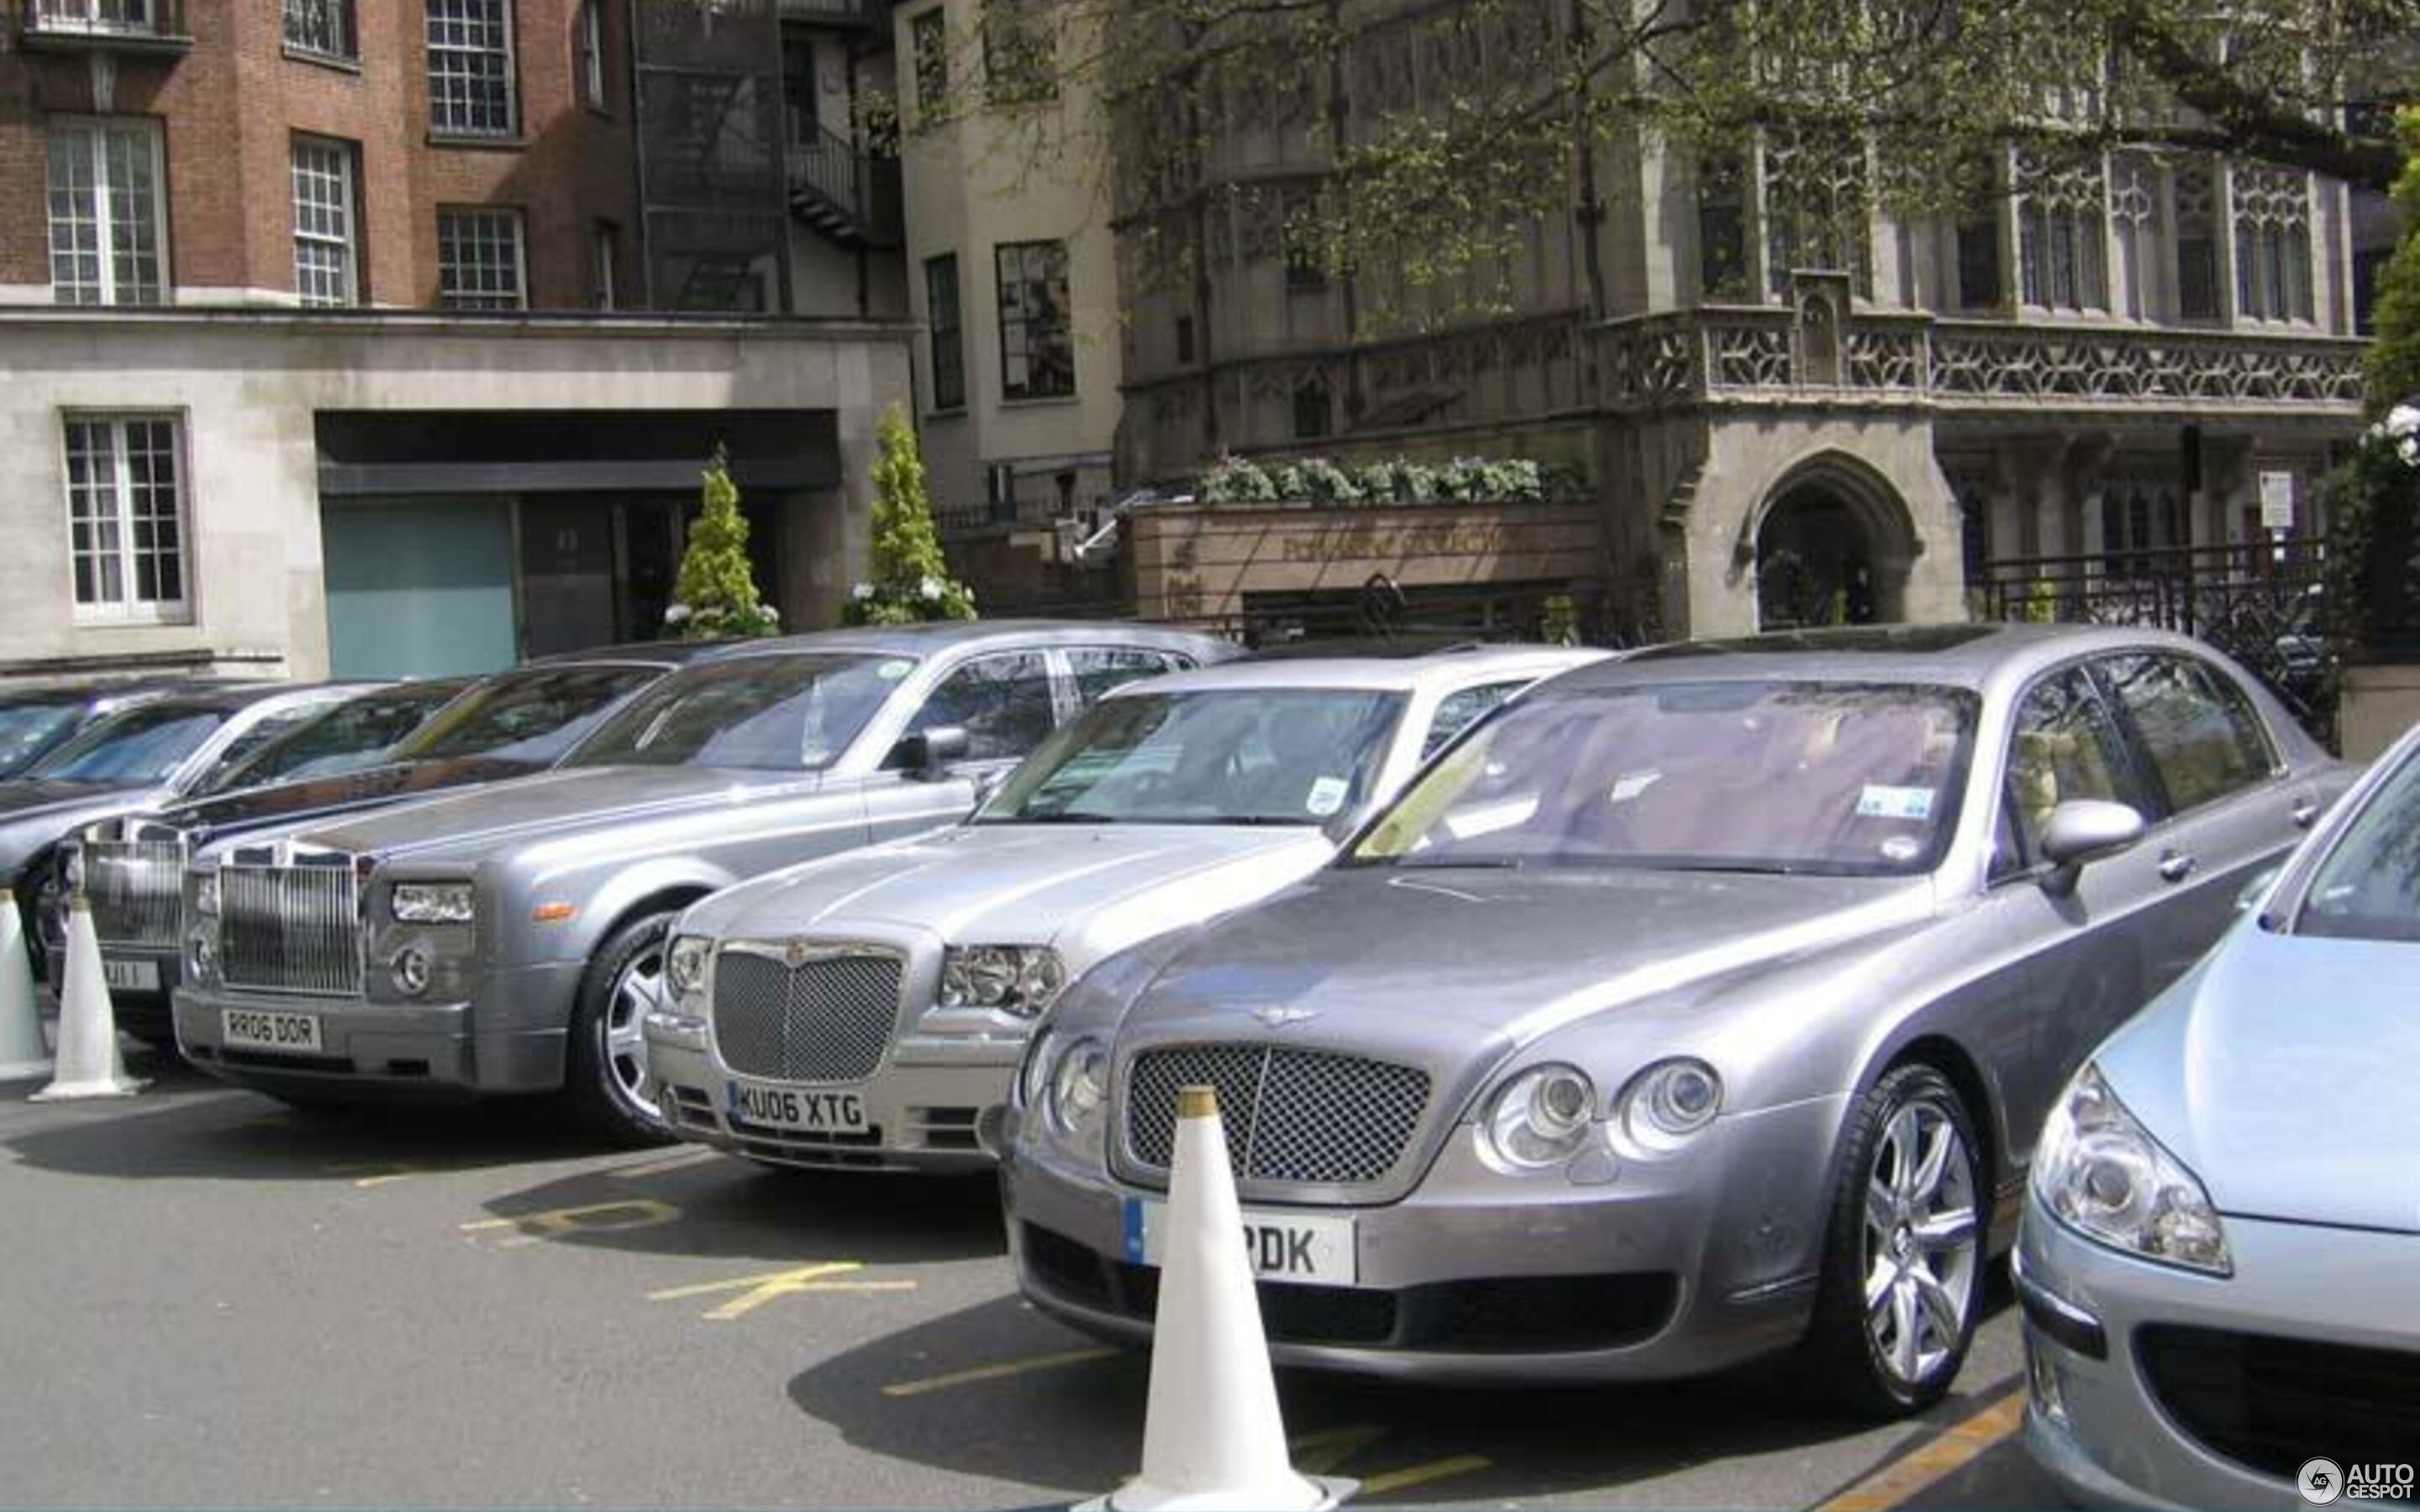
1079,1087
433,902
1020,979
205,894
685,963
2102,1174
1669,1104
1540,1116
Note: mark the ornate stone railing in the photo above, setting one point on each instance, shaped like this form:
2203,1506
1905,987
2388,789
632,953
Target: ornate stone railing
1742,355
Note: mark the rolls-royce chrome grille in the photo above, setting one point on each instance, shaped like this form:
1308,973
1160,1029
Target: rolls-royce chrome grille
134,888
291,929
826,1018
1308,1116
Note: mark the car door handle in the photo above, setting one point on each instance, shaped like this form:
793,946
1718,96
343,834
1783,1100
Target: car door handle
2176,866
2306,814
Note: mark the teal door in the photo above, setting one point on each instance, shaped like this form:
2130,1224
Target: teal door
420,588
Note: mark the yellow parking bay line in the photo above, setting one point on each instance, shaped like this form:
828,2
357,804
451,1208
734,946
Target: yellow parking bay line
1955,1447
998,1372
1396,1480
757,1290
660,1165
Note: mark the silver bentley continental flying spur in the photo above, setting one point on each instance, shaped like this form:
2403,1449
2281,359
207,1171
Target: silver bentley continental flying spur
1696,1008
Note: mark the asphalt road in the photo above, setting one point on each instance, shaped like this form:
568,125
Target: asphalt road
212,1301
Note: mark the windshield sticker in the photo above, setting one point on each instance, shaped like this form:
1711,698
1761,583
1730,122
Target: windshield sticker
1326,796
891,672
1631,784
1902,848
1881,802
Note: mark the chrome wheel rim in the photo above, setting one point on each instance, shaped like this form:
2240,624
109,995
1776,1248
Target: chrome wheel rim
637,990
1920,1242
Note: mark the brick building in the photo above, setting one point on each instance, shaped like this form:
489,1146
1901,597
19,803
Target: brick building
339,333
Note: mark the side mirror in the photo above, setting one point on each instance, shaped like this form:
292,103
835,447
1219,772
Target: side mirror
925,754
2081,830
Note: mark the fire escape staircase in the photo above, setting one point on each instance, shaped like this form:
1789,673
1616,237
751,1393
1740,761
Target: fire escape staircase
847,196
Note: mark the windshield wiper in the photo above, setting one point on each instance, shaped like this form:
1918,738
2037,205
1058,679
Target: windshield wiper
1064,816
1457,863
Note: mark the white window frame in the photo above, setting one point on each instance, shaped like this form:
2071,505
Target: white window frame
94,132
346,17
349,240
605,244
509,74
589,67
458,299
127,609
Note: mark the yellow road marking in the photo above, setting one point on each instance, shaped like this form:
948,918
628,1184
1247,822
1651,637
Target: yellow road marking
1396,1480
1317,1453
997,1372
757,1290
382,1171
659,1164
1935,1459
591,1218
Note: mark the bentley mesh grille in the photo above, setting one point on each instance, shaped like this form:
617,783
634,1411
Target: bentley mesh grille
135,888
1300,1116
825,1020
294,928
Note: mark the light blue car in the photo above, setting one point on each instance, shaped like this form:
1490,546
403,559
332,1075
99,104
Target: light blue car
2220,1263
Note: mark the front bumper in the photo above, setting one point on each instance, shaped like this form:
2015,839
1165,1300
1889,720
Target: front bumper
923,1106
142,1011
399,1049
2100,1426
1681,1266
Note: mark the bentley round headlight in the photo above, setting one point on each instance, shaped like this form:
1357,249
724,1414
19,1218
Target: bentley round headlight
1671,1103
410,971
1080,1085
1033,1077
685,963
1540,1116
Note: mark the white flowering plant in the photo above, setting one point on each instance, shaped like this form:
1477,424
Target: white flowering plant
2371,502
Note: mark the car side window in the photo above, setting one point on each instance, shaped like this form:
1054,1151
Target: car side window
1458,710
2065,747
1002,702
268,729
2203,739
1099,669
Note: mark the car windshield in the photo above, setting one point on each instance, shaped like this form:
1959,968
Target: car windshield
531,717
1224,756
766,713
1830,778
353,734
27,730
145,744
2368,888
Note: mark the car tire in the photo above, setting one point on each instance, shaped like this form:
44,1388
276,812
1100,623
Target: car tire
1903,1254
605,1076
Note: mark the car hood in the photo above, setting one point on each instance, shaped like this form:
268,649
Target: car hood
2280,1072
1009,884
547,805
33,814
338,792
1437,964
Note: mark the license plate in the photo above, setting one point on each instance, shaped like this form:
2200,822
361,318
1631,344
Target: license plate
298,1032
801,1108
1290,1246
130,976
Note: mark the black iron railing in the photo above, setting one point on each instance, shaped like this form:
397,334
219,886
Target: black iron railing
846,191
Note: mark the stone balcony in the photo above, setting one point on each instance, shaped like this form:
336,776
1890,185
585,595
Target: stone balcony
1755,355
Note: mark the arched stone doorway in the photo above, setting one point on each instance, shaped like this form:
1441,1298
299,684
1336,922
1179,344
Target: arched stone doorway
1833,544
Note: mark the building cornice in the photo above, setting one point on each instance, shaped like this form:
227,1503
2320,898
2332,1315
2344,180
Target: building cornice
502,325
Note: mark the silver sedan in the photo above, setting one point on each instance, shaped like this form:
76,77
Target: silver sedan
1696,1008
2221,1260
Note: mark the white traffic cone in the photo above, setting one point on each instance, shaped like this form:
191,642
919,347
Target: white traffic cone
88,1064
23,1051
1212,1439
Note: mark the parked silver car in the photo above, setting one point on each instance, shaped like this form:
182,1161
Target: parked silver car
2220,1265
514,723
869,1008
1696,1007
510,939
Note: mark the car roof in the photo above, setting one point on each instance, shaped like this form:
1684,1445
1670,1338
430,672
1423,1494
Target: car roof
947,636
651,652
1959,655
1378,672
230,695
